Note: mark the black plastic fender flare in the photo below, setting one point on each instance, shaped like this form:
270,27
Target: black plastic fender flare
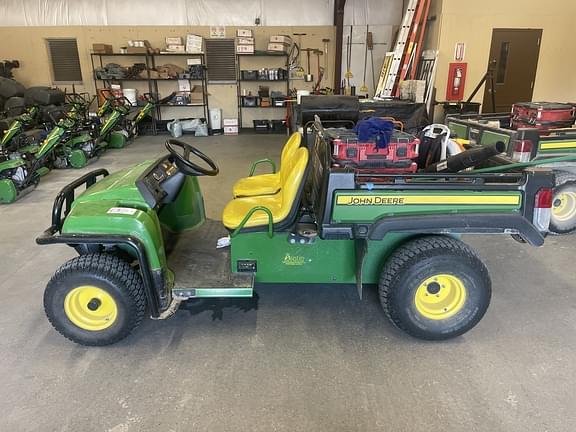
470,223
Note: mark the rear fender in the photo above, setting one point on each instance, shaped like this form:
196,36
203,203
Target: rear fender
464,223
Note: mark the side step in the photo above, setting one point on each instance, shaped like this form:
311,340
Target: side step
238,285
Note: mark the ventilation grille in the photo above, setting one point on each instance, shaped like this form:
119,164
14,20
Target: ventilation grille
221,60
65,60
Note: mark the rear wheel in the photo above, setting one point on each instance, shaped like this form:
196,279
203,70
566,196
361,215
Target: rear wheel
434,288
95,299
563,218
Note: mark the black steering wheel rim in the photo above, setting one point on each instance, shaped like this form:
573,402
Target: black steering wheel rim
183,161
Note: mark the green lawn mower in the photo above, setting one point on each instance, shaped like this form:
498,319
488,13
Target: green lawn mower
14,138
145,245
121,126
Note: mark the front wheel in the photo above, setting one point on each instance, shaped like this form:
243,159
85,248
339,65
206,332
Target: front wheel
434,288
95,299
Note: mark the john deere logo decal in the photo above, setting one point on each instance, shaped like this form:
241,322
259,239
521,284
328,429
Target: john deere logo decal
399,200
292,260
360,200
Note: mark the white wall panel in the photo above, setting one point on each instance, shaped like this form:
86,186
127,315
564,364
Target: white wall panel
377,12
194,12
142,12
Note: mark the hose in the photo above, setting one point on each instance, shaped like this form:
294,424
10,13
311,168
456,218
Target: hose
526,164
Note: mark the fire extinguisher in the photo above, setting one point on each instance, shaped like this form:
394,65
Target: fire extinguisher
457,82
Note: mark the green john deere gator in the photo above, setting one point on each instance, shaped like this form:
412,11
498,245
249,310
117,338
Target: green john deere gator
145,245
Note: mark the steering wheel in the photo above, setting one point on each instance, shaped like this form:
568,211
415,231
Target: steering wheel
184,163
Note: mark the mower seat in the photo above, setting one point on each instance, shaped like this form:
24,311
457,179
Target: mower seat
267,184
279,204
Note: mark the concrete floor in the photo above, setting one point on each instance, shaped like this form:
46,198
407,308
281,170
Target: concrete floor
309,359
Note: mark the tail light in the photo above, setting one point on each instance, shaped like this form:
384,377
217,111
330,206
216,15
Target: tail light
543,209
522,150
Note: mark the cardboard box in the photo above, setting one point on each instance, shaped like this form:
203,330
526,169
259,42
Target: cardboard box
137,50
230,130
245,41
278,47
174,41
281,39
99,48
175,48
244,49
196,94
194,43
244,33
230,122
194,40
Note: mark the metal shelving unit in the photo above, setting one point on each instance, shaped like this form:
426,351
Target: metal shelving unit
150,62
239,80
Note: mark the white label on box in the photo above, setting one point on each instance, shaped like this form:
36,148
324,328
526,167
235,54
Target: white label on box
245,41
183,85
230,122
244,32
245,49
122,210
281,39
217,32
277,47
173,41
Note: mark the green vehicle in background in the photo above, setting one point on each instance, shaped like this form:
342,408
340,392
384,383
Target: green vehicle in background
145,245
554,148
14,138
21,172
121,126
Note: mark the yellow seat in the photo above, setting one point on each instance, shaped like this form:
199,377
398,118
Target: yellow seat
267,184
279,204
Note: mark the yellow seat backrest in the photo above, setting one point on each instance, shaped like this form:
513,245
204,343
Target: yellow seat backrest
291,179
290,147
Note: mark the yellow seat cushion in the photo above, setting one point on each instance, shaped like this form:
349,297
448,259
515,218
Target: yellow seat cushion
268,184
236,209
264,184
279,204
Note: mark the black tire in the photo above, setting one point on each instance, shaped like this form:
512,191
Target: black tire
565,186
416,262
105,272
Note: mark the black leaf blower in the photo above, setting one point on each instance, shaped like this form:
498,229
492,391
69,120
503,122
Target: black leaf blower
467,158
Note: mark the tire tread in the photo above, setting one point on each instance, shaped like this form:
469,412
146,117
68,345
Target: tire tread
113,269
403,256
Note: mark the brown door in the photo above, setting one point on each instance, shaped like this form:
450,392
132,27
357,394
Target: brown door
513,58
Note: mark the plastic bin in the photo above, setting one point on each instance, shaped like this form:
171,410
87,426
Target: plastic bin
216,118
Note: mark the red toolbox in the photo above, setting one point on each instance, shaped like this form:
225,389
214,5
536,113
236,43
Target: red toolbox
396,157
544,126
544,113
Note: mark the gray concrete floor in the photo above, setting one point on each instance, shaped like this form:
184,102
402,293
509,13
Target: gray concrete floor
308,359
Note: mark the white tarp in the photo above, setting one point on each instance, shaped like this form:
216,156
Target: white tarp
194,12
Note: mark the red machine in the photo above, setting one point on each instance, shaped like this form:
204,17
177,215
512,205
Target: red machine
395,158
543,115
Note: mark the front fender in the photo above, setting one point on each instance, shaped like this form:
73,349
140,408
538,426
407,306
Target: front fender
104,218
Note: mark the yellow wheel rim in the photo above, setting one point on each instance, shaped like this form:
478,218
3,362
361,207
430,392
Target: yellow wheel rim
564,206
90,308
440,297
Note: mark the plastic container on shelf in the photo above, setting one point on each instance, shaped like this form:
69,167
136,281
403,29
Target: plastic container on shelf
216,118
131,95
